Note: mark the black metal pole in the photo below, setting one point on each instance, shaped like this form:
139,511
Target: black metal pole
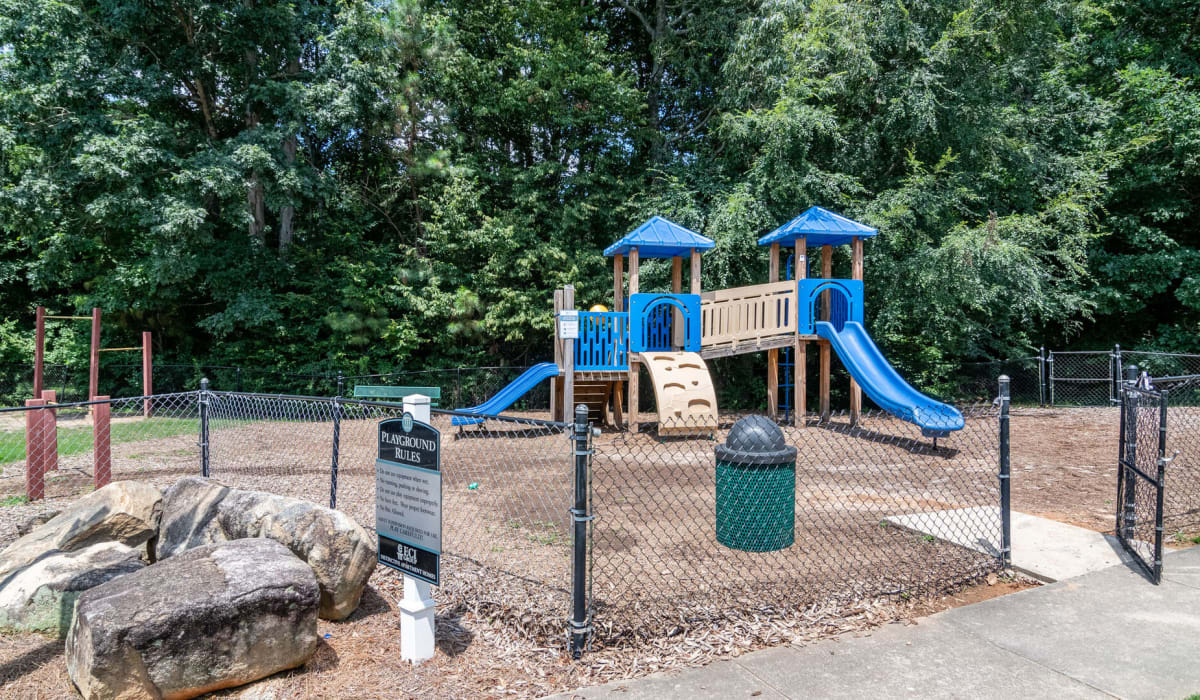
239,380
1114,372
204,398
1161,487
1005,475
1042,377
337,440
341,389
1127,481
580,624
1050,376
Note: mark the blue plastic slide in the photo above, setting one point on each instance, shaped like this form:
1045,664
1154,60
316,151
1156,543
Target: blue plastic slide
508,395
884,385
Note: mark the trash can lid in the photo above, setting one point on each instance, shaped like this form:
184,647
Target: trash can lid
755,440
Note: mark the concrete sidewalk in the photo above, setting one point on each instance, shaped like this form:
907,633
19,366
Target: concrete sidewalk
1110,633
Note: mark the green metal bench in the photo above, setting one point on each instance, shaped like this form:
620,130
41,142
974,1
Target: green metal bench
364,391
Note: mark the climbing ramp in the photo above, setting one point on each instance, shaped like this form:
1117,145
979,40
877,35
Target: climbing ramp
683,390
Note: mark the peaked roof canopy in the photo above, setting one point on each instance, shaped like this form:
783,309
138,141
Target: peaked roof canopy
660,238
820,227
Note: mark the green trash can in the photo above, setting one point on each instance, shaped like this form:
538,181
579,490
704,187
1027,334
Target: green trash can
756,487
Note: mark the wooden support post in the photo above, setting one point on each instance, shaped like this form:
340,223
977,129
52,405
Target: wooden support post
633,358
694,277
94,367
556,412
800,363
147,372
101,445
826,273
856,272
50,436
618,282
773,353
568,360
823,387
678,337
39,349
618,408
35,450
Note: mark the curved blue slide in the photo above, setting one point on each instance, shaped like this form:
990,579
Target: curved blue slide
884,385
508,395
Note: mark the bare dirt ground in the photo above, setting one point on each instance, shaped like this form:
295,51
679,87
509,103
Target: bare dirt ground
502,612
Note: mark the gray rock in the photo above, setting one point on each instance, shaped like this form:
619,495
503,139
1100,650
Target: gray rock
124,511
341,553
214,617
41,596
35,521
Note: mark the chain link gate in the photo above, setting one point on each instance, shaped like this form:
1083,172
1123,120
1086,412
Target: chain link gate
1140,476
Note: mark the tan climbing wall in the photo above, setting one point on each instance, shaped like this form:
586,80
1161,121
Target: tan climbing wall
683,390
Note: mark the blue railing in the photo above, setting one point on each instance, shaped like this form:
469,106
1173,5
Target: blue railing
603,343
845,302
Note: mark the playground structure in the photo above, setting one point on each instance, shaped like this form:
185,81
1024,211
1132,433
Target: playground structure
598,355
39,354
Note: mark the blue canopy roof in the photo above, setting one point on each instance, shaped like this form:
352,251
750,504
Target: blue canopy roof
820,227
660,238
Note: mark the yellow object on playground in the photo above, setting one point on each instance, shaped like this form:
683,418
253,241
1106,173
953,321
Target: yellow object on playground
599,308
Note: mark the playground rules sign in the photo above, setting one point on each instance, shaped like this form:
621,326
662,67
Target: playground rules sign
408,497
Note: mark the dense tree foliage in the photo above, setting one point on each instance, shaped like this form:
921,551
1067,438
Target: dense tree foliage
369,185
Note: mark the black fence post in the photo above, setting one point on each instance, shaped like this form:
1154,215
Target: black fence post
1005,475
1161,486
580,623
1042,376
1114,373
1050,377
1126,485
341,388
239,380
337,440
203,400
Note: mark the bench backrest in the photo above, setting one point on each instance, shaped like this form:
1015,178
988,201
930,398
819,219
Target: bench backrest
365,391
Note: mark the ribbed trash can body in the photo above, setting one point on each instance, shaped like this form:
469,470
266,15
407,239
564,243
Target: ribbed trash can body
756,488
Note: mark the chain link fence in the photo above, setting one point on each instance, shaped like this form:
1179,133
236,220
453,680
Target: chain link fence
1181,510
868,499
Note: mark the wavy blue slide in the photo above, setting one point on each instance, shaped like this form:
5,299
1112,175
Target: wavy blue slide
884,385
508,395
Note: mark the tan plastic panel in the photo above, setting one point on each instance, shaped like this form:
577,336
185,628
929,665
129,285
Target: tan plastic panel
683,389
747,314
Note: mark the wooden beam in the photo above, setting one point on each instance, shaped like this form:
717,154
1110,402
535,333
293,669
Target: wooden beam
94,368
800,366
39,349
856,272
773,263
824,380
618,283
556,382
633,271
633,392
800,405
147,371
773,383
568,361
677,334
694,278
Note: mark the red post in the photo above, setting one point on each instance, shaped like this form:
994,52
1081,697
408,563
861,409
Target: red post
39,349
50,433
35,484
101,444
94,369
147,372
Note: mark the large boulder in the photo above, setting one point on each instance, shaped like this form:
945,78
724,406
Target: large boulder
214,617
124,511
41,596
197,511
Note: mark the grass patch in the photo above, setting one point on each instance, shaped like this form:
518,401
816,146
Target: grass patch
77,440
14,501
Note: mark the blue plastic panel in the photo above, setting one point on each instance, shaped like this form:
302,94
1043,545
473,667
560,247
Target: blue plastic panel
651,320
603,343
845,303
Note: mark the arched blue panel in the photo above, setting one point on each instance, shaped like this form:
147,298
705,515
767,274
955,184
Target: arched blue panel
845,302
650,320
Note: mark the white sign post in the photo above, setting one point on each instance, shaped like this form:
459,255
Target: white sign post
417,626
